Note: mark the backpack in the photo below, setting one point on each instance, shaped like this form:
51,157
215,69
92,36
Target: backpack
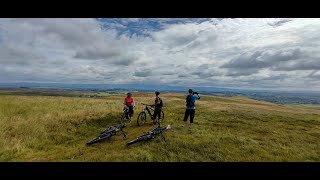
189,101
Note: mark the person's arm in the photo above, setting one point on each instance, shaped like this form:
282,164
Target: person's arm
197,96
133,103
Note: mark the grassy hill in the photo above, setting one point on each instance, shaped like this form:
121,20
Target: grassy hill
56,128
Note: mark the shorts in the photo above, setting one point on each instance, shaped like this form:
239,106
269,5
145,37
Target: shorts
157,113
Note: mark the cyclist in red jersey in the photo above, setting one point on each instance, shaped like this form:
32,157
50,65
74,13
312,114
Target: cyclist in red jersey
129,102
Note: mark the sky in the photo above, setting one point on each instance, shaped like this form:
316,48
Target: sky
266,53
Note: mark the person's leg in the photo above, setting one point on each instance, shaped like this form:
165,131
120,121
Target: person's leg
192,113
186,115
154,115
159,113
130,112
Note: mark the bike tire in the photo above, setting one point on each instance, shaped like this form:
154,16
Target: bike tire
99,138
162,115
142,118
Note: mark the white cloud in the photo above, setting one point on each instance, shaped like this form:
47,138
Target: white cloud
245,52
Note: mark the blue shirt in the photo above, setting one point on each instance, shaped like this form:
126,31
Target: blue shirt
194,98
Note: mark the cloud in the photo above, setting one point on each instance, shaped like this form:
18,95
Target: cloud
280,22
278,60
145,73
17,56
184,75
97,53
263,59
226,52
314,75
301,64
241,72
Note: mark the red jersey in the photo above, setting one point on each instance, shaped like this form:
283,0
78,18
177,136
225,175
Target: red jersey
128,101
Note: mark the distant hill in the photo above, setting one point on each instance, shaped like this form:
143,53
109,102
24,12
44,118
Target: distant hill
270,96
137,87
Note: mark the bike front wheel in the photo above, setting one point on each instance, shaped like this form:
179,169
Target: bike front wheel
142,118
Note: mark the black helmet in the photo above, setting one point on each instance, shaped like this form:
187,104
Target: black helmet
157,92
129,94
190,91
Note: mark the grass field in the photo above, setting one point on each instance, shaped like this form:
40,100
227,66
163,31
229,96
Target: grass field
56,128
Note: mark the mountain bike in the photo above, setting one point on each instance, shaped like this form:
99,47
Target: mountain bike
111,131
107,133
142,117
150,135
125,114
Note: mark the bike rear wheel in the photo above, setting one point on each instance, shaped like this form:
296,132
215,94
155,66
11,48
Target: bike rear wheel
162,116
142,118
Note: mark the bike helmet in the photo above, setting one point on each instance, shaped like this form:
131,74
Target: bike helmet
157,92
129,94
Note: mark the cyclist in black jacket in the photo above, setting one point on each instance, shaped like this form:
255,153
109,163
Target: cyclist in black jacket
158,104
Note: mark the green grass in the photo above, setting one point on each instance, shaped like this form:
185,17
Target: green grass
48,128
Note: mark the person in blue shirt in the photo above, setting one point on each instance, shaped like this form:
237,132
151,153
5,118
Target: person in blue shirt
190,107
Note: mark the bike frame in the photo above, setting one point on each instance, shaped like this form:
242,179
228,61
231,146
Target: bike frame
147,108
